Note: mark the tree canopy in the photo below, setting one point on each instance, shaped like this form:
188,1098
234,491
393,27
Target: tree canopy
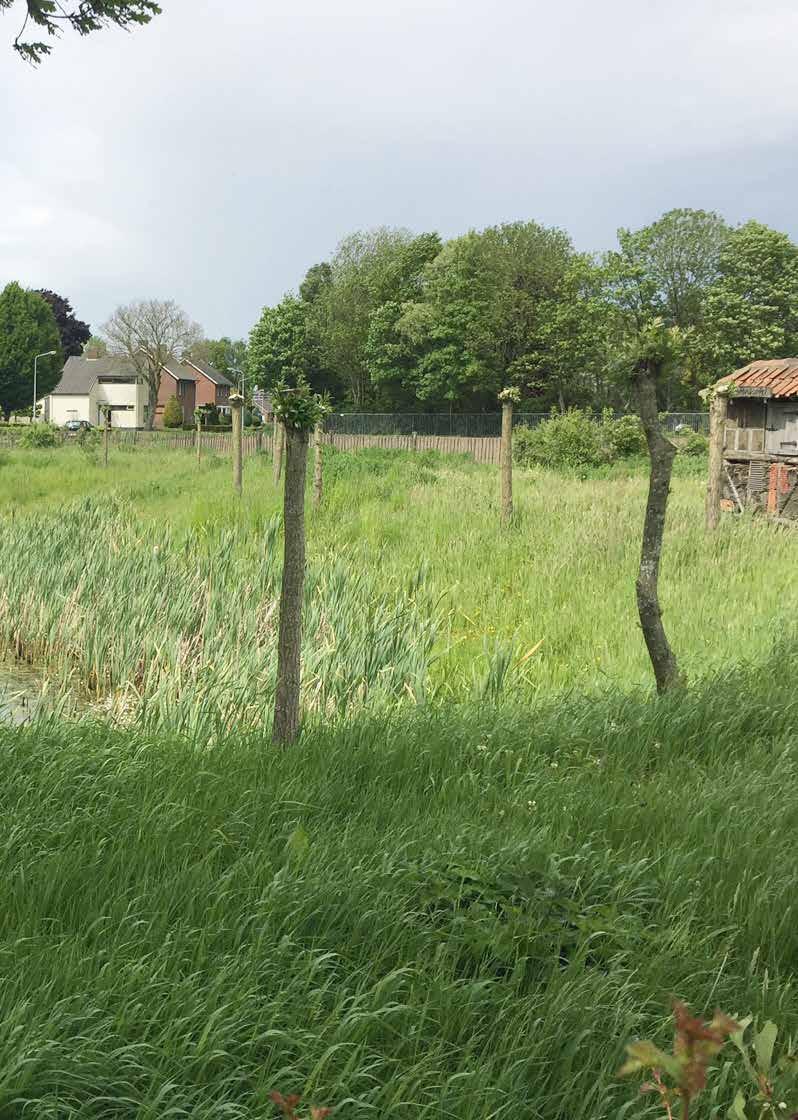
82,16
27,328
149,333
74,333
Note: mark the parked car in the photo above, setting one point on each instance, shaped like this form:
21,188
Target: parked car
77,426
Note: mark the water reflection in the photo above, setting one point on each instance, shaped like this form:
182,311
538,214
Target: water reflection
20,689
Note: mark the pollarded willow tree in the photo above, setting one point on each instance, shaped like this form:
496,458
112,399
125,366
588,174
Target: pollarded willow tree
650,348
298,410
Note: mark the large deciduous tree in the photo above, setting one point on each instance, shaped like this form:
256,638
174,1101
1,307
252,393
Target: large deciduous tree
228,355
476,325
751,311
149,333
27,328
83,16
73,331
671,265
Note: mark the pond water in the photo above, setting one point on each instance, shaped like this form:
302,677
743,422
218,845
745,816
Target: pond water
20,688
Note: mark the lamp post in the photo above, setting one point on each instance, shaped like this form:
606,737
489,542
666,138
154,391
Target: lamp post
46,354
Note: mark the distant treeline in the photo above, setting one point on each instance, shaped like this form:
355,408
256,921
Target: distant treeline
401,322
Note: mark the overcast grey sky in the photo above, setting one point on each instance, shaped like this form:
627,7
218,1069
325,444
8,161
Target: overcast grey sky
216,154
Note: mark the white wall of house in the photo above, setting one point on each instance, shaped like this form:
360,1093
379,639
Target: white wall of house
125,400
60,408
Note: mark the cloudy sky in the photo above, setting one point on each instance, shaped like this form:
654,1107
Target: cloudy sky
214,155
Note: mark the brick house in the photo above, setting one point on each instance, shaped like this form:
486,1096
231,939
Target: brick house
177,381
212,386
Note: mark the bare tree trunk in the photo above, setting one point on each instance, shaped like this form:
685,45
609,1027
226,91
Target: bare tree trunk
718,408
237,411
153,388
507,462
318,477
199,441
289,640
661,453
277,450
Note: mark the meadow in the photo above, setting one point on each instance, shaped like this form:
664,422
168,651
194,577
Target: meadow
481,871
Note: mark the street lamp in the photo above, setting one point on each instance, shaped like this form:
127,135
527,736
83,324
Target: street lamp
46,354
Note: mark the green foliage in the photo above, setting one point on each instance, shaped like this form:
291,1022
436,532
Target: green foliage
83,17
623,437
570,439
40,435
27,328
173,413
768,1080
298,406
225,354
752,309
695,444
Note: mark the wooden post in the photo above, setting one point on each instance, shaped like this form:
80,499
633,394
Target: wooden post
718,410
236,404
199,440
289,638
318,477
106,436
507,462
277,450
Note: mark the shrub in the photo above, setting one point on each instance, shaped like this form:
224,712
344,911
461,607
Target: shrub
694,444
569,439
40,435
623,437
173,414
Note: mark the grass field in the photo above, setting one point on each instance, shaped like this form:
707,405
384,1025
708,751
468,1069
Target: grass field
154,587
475,879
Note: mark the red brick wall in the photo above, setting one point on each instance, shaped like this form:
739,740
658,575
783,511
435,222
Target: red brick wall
208,393
185,391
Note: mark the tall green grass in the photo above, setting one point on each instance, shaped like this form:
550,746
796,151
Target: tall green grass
456,913
157,590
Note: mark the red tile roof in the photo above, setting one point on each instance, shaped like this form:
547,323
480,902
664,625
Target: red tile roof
780,375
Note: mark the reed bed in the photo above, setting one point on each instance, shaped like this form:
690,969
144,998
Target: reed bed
156,590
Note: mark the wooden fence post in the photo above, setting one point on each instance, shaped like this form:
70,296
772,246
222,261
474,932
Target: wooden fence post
718,410
318,475
507,397
236,403
106,435
277,450
199,440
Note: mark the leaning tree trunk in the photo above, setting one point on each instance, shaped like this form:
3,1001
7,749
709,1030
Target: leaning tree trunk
507,462
661,453
289,640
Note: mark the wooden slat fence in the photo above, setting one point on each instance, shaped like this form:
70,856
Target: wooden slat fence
484,449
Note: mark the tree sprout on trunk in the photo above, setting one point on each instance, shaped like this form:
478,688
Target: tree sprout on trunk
298,412
655,347
508,397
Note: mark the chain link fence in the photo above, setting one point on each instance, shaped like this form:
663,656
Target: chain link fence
468,424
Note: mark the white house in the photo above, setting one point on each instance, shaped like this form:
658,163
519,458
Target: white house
88,385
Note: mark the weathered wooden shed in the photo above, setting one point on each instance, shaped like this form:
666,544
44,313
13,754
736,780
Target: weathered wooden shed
760,448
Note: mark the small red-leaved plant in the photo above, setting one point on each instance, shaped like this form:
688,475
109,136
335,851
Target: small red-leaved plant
289,1105
680,1076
